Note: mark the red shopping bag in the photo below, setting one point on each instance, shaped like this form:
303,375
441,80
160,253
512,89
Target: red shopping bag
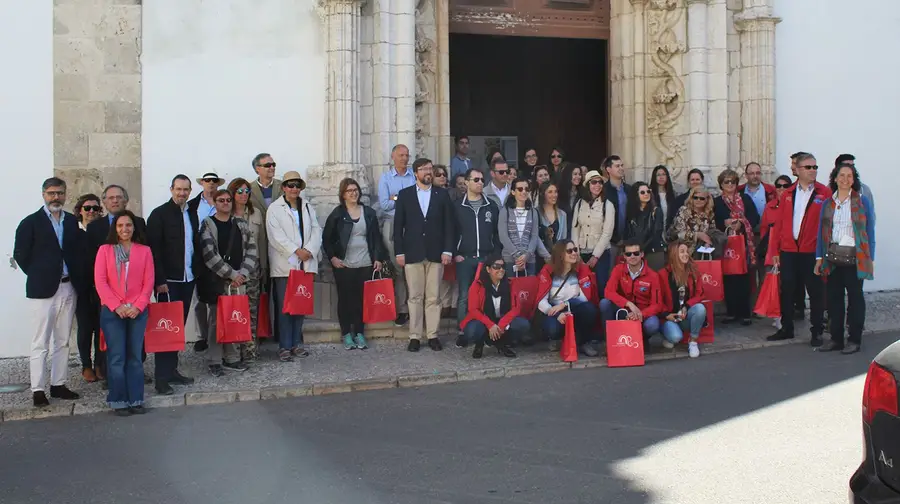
768,304
707,334
450,272
102,341
624,343
525,289
263,322
568,351
735,259
165,327
233,319
711,277
379,304
298,297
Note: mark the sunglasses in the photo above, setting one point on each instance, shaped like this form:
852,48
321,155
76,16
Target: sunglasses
643,192
223,200
572,250
699,198
631,254
211,180
243,190
782,186
729,182
91,208
477,180
267,165
810,167
501,172
497,266
521,189
556,156
292,185
596,181
440,175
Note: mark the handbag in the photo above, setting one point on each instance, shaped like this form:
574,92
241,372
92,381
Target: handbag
378,300
233,318
841,255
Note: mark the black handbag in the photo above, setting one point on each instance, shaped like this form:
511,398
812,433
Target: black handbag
841,255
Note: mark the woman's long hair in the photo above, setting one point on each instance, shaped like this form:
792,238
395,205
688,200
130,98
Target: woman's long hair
633,205
542,195
84,198
708,211
654,186
682,272
233,187
558,257
832,179
565,187
511,197
342,190
112,238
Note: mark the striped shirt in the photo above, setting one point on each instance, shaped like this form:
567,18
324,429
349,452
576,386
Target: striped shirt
842,232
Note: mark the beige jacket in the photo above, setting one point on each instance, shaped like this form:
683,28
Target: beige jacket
284,237
257,223
592,226
256,195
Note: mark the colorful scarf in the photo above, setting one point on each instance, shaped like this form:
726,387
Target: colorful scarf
864,267
735,204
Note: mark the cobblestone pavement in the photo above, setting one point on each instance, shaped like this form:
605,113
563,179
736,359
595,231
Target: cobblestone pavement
331,369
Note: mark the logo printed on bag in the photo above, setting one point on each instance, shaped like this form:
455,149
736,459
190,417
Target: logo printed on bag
708,280
382,300
237,316
732,254
523,295
626,341
165,324
303,291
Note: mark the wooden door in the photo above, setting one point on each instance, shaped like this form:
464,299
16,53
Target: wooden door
534,18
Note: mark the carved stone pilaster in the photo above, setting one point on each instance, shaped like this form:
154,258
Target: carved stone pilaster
667,97
432,80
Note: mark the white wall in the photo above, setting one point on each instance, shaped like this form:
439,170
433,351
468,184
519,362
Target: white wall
225,80
836,92
26,147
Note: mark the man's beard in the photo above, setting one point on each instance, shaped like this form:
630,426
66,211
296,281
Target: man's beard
55,207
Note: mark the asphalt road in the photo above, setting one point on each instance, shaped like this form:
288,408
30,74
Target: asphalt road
778,425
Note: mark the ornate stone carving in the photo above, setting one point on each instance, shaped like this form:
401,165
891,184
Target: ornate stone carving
425,71
667,100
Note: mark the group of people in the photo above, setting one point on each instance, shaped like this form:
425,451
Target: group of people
600,248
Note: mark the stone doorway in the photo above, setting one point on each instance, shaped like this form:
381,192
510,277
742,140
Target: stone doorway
546,92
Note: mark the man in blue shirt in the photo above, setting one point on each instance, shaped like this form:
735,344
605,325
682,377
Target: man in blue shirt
460,163
398,177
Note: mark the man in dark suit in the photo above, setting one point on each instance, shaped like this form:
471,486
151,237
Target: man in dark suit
423,243
49,247
616,191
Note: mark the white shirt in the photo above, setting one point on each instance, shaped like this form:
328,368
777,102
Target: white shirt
424,196
801,200
842,231
501,192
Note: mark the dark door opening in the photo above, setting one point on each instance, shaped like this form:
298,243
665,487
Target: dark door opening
547,92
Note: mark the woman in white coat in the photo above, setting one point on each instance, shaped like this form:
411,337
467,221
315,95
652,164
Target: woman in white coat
295,241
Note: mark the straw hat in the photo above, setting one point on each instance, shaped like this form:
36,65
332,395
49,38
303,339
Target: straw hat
209,175
592,175
292,176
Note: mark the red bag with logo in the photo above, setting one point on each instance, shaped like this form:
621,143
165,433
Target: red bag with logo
711,277
165,327
707,334
233,319
525,289
735,259
450,272
263,321
379,304
568,351
768,304
298,297
624,342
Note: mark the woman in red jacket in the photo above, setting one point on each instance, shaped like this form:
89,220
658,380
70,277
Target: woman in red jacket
682,299
493,311
567,288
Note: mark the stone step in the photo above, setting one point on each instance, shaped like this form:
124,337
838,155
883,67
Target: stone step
329,331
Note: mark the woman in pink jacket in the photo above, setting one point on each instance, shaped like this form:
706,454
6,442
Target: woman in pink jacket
124,278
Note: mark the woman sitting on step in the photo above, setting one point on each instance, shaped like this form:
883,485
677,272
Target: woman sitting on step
493,312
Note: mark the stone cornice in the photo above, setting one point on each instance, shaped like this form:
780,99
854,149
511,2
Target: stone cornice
754,22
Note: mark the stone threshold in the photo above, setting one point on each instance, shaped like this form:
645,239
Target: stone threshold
399,381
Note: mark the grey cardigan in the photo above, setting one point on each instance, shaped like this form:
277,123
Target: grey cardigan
535,244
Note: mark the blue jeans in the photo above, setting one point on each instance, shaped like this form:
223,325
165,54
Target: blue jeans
465,275
124,369
601,269
290,327
585,315
696,317
608,311
476,332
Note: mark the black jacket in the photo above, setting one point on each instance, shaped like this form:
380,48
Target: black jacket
165,235
97,233
721,212
37,252
336,234
647,227
478,233
671,210
420,237
613,196
680,200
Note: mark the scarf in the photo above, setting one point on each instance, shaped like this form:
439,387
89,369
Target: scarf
122,257
522,241
503,291
735,204
864,267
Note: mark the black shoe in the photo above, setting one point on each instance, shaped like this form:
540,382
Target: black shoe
526,341
163,388
147,379
729,320
478,351
413,345
137,410
829,346
61,392
180,379
122,412
402,320
505,351
200,345
461,341
236,366
746,322
780,336
815,340
217,370
850,348
40,399
435,344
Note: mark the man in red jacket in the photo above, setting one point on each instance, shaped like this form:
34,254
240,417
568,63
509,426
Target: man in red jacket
792,247
633,287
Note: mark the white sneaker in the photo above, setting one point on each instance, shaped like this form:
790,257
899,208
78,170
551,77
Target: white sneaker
667,344
693,349
777,323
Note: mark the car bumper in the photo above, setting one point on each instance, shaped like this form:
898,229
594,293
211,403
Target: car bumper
867,488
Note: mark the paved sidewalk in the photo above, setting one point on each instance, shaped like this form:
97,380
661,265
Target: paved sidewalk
386,364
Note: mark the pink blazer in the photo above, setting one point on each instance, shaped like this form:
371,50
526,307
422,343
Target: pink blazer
139,286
